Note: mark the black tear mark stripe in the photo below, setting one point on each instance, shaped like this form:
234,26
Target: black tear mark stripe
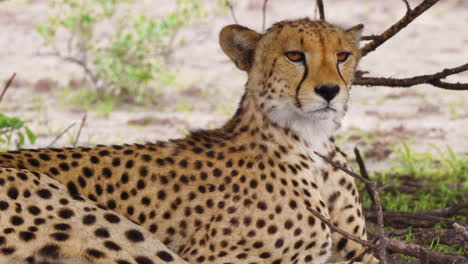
304,76
339,73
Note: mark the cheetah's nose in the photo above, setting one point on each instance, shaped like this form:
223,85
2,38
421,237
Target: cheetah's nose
327,92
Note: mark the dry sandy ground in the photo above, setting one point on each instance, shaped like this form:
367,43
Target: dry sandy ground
379,118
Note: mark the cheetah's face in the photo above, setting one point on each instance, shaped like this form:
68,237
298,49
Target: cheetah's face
299,70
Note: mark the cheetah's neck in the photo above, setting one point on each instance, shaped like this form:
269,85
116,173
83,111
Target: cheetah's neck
304,136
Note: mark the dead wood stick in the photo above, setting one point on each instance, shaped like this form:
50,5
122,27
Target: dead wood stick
398,26
390,244
363,170
265,2
420,252
83,121
382,246
394,245
378,209
434,79
60,135
408,7
7,85
448,211
341,231
321,9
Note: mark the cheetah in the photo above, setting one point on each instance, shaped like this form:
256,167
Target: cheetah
235,194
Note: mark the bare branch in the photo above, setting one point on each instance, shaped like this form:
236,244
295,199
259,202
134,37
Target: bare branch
233,13
448,211
408,7
398,26
372,187
450,86
363,170
89,73
420,252
349,172
386,243
382,247
340,231
83,120
321,9
434,79
7,85
60,135
370,37
265,2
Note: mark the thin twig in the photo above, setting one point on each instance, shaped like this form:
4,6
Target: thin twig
231,9
384,242
341,231
79,130
398,26
89,73
408,7
349,172
394,245
265,2
382,247
378,208
321,9
450,86
363,170
363,253
60,135
7,85
370,37
434,79
420,252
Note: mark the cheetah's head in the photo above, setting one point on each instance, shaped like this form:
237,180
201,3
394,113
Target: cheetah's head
300,71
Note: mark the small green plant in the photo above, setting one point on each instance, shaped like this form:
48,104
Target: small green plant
126,60
13,130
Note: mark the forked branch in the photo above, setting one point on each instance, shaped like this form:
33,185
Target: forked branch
434,79
385,244
411,15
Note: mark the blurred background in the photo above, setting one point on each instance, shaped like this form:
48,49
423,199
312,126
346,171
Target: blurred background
153,70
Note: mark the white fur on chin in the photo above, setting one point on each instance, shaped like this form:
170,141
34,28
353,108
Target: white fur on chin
315,127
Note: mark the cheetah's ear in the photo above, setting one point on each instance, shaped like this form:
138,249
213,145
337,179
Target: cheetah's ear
239,44
355,32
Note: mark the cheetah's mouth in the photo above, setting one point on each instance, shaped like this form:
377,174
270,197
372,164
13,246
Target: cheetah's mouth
324,109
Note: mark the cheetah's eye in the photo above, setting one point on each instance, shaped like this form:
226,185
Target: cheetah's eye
342,56
295,56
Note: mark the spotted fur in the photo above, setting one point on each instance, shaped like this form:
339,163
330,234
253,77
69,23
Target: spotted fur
237,194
